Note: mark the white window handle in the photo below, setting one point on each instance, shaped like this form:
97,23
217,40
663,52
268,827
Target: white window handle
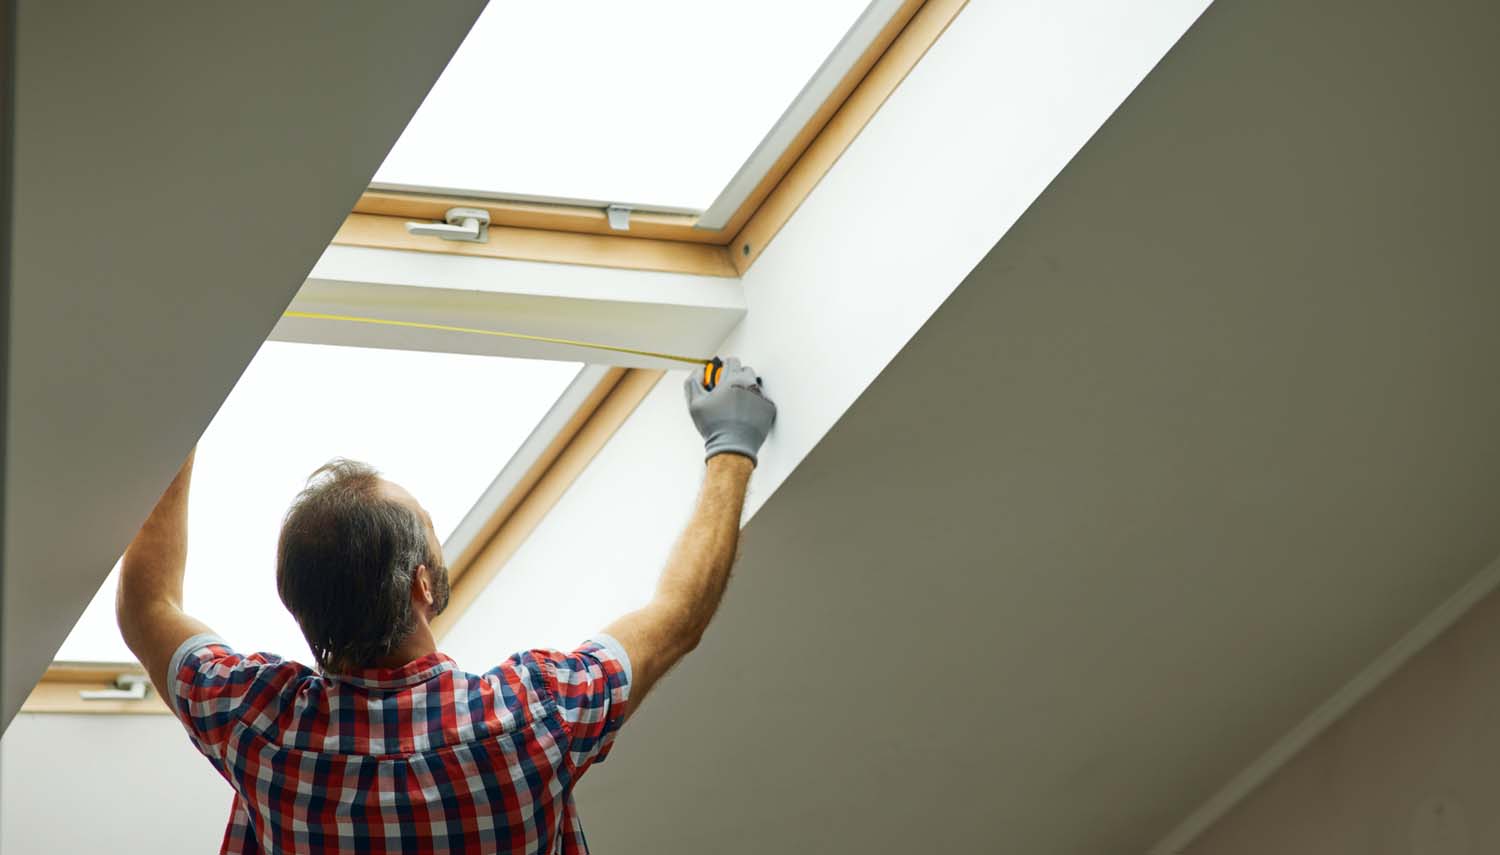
128,687
619,217
469,224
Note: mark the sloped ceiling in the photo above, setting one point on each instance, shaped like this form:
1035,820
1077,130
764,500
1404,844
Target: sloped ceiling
1216,422
178,169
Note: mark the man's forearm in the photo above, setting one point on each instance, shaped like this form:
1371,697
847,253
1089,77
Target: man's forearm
667,628
692,585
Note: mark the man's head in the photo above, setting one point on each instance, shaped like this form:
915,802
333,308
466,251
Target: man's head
358,565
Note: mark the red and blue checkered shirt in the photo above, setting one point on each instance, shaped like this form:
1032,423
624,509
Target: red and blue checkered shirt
422,758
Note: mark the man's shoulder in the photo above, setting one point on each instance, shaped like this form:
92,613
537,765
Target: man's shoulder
541,679
210,653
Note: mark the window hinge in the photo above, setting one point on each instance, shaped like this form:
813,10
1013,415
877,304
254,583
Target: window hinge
468,224
127,687
619,217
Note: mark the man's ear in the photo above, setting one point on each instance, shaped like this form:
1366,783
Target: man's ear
421,586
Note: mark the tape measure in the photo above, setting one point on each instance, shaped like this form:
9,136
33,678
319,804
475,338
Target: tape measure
713,368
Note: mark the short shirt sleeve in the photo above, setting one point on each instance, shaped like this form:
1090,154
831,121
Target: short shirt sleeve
214,687
591,687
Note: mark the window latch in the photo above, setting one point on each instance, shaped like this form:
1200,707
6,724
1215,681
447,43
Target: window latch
127,687
619,217
467,224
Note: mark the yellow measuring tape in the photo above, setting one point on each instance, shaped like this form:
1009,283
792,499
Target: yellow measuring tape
355,319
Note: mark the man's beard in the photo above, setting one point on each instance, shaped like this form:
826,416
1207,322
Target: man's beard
439,591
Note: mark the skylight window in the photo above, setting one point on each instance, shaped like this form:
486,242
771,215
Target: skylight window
654,104
442,425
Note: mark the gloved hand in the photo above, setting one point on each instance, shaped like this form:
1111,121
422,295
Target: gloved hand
735,415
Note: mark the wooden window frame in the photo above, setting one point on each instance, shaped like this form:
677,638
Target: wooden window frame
577,234
60,690
574,234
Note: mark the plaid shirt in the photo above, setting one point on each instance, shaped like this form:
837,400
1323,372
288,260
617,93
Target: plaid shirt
422,758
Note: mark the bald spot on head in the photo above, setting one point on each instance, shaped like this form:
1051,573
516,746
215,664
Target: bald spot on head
395,492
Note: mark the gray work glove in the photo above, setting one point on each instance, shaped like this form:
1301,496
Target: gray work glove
735,415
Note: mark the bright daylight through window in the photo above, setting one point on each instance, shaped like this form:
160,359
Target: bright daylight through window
442,425
654,104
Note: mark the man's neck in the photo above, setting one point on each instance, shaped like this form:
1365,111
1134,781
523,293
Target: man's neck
416,645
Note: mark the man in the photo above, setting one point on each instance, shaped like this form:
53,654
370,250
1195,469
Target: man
388,746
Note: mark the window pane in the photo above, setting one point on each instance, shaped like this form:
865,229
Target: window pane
654,103
441,425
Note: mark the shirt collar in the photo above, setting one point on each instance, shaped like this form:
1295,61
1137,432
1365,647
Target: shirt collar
412,673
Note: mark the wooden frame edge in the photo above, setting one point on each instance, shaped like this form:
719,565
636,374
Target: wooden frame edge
842,128
560,247
545,216
853,80
514,522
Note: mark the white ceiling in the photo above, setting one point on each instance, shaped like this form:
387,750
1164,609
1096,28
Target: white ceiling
178,170
1211,426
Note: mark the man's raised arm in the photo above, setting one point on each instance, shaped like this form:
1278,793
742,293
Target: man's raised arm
149,602
734,418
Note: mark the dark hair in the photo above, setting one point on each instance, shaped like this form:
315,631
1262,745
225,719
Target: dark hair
345,563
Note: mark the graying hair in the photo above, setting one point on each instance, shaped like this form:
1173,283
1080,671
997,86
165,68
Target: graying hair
345,563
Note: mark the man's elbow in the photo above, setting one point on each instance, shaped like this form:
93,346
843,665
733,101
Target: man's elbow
689,639
135,612
682,625
129,619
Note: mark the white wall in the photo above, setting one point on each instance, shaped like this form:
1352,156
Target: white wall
89,783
